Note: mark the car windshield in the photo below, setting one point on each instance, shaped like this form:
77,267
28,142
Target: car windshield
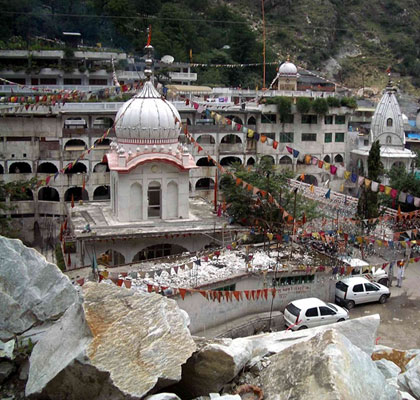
293,309
332,306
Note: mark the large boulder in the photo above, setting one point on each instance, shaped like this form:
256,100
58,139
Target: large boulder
410,379
32,290
327,366
215,365
388,368
118,344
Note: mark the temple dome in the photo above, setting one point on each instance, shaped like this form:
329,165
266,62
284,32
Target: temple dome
148,116
287,69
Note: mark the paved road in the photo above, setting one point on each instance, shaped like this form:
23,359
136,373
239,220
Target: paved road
400,316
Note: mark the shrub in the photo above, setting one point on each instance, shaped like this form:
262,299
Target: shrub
284,106
303,105
320,106
333,101
349,102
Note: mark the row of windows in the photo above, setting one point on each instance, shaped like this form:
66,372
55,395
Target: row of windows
288,137
293,280
53,81
305,119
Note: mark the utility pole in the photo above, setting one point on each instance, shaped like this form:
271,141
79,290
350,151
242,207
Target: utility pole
293,230
263,22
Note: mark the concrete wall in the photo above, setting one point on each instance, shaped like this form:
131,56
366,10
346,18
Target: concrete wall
205,314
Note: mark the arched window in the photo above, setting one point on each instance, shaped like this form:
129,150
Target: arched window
230,160
234,118
388,140
206,139
101,167
267,159
76,168
252,121
103,123
75,123
285,160
250,161
154,196
389,122
75,145
47,168
327,159
20,168
204,184
231,139
102,193
48,194
102,144
78,194
204,162
338,158
22,196
112,257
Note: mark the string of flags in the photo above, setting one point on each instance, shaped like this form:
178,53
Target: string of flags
232,65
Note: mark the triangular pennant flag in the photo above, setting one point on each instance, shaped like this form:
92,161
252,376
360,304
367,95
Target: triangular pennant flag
182,292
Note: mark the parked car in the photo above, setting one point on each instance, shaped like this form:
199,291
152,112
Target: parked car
360,267
310,312
357,290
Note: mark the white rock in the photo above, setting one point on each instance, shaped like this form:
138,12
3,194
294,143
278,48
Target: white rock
163,396
406,396
119,344
32,291
225,396
388,368
327,366
214,366
6,349
410,379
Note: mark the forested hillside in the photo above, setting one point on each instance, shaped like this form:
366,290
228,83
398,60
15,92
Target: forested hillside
352,40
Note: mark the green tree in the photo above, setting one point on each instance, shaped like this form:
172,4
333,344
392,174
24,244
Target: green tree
320,106
368,205
245,207
303,105
404,181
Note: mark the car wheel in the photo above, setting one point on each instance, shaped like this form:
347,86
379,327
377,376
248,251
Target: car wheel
383,299
350,304
341,320
302,327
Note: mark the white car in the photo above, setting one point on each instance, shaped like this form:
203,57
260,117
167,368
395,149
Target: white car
357,290
307,313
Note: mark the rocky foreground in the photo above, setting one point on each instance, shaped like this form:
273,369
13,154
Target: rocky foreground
58,341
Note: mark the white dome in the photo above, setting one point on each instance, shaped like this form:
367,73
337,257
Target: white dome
148,116
288,68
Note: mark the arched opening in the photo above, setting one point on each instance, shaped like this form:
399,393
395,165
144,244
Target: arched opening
225,182
309,179
102,144
234,118
388,140
338,158
75,123
20,168
102,193
1,169
136,202
48,194
103,123
112,257
77,168
158,250
231,139
268,159
204,162
327,159
101,167
78,194
226,161
75,145
154,195
389,122
206,139
172,200
285,160
22,196
252,121
251,161
204,184
47,168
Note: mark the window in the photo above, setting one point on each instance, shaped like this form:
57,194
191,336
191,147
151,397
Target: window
34,81
340,119
154,197
293,280
287,119
286,137
271,135
73,81
366,142
328,137
389,122
358,288
370,287
388,140
228,288
308,137
339,137
268,118
326,311
309,119
48,81
328,120
103,82
293,309
311,312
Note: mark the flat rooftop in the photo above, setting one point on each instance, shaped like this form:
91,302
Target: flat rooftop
103,222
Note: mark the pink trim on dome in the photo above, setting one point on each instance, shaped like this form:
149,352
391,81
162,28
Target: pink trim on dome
147,141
